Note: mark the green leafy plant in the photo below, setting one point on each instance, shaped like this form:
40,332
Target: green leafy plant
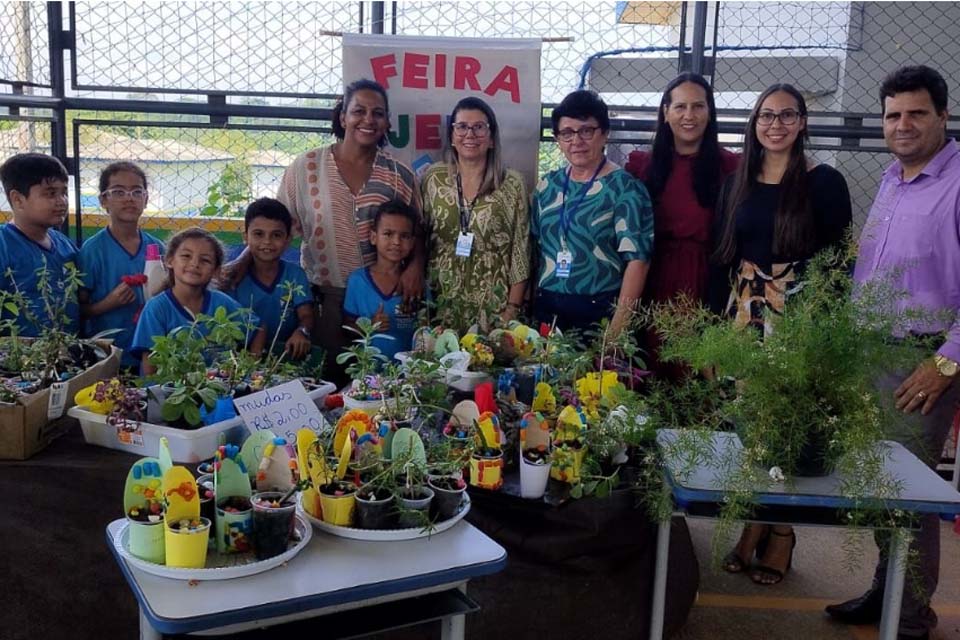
189,394
229,195
362,358
804,392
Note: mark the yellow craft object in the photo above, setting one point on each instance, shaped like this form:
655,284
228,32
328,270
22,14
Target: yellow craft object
344,459
592,388
354,420
543,399
567,464
570,424
486,473
338,510
489,426
84,398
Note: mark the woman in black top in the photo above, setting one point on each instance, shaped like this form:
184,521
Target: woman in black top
775,212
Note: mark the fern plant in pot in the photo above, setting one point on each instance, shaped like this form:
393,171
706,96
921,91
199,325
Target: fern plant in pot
801,398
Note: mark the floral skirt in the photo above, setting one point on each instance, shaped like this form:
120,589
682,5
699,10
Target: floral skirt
758,296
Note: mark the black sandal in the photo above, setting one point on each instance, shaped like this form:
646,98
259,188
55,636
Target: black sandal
761,570
734,563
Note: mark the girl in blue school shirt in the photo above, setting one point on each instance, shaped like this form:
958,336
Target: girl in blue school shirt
109,299
193,259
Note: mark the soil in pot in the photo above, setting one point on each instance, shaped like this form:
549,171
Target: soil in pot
447,496
375,509
272,524
415,507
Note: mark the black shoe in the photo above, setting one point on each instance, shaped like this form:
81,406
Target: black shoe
863,610
901,636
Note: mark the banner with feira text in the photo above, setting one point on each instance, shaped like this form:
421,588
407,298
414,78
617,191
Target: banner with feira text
425,77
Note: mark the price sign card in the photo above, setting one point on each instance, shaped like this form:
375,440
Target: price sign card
284,410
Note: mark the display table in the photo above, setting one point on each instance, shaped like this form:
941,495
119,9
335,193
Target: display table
599,553
331,575
815,501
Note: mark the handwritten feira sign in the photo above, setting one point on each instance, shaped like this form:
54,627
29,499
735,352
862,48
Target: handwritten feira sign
283,409
425,77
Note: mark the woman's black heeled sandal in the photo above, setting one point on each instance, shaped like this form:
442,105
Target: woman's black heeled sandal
733,562
759,571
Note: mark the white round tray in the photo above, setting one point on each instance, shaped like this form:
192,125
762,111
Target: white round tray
219,566
380,535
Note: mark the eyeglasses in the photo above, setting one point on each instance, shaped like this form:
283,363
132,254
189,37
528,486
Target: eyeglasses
585,133
119,194
480,130
786,117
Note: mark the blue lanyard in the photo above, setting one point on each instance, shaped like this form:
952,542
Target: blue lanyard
564,220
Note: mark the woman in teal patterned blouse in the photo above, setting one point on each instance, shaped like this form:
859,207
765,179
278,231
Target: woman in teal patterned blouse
593,223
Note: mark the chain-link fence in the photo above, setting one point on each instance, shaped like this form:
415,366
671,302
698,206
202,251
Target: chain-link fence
24,51
280,56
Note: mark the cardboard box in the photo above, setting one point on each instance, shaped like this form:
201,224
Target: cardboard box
25,427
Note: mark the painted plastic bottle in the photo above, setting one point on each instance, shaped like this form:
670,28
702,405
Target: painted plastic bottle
154,270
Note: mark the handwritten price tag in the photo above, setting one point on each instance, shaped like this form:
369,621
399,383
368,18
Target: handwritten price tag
284,410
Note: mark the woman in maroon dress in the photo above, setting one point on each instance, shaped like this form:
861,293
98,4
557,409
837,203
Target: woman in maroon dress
683,173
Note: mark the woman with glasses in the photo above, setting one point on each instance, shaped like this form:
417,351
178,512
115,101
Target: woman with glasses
112,261
332,194
774,213
478,217
683,173
593,225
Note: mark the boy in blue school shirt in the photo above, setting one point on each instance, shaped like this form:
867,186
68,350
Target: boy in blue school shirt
36,187
114,257
261,280
372,292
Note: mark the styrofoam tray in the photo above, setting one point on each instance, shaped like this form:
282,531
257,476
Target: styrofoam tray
219,566
185,445
380,535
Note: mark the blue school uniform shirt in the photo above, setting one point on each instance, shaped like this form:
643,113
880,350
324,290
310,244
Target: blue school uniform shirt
363,298
163,313
104,261
267,300
24,258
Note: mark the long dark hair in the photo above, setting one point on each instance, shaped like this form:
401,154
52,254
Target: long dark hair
358,85
793,224
706,166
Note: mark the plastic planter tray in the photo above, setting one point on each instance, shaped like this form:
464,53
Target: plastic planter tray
185,445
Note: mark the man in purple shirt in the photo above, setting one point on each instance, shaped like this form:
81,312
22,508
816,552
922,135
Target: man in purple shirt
912,235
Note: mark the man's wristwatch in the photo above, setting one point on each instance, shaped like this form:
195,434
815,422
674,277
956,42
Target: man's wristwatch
304,331
945,366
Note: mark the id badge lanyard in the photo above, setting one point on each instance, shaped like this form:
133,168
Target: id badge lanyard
565,219
465,238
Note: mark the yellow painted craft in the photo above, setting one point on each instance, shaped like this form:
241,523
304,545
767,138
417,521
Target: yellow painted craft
338,510
310,500
534,432
180,492
358,421
486,473
489,425
567,463
188,548
543,399
84,398
344,459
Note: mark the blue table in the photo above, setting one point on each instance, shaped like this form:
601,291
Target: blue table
331,575
816,501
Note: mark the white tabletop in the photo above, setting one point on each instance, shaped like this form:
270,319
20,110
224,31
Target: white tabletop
329,571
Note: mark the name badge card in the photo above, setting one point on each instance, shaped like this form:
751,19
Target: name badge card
464,244
564,263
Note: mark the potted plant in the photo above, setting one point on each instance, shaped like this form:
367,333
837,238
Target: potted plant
376,500
801,399
363,361
413,494
196,391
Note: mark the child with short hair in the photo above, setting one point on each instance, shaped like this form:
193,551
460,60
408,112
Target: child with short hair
112,260
31,245
194,257
262,279
372,292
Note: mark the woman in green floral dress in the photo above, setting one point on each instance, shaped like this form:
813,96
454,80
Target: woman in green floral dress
478,216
